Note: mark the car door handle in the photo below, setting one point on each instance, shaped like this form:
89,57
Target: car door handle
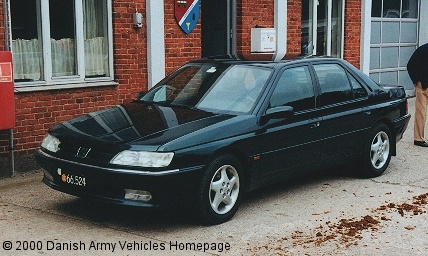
315,125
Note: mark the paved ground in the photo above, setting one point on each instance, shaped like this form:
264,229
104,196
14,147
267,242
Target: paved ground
324,214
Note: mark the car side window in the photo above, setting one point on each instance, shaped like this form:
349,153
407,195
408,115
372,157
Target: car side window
294,88
334,84
357,88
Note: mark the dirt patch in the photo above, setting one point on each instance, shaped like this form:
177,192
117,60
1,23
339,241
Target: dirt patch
345,232
416,208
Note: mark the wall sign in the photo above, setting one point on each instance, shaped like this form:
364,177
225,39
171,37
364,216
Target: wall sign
6,72
187,14
7,94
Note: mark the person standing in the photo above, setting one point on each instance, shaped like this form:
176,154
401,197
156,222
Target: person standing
418,72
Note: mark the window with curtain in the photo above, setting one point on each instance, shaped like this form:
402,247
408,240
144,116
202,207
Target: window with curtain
60,40
95,36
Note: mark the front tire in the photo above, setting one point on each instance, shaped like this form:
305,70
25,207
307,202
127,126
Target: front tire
221,190
377,153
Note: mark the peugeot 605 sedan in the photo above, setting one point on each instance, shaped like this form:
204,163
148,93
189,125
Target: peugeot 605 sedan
216,129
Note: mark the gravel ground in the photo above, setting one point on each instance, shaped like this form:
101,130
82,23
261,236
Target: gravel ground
328,213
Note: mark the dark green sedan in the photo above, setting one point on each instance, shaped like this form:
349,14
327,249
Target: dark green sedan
216,129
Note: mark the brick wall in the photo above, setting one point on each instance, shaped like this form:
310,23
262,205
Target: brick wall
179,47
294,23
261,13
352,32
252,13
130,50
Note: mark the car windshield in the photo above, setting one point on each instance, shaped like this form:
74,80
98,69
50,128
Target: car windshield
217,88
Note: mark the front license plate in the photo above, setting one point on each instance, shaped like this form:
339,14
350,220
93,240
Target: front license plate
72,179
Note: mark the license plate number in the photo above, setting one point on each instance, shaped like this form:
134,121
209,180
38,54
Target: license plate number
73,179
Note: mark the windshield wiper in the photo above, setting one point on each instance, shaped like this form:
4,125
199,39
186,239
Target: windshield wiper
183,106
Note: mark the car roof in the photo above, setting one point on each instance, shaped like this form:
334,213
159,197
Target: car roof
291,59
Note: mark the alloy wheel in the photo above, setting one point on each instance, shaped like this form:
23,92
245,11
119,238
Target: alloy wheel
224,189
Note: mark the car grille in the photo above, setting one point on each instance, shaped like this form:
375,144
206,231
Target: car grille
82,152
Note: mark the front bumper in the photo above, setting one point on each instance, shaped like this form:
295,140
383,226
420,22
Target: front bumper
168,188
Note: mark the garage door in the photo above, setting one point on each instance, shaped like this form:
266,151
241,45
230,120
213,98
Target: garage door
394,37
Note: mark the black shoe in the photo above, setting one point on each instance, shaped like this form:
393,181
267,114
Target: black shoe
421,144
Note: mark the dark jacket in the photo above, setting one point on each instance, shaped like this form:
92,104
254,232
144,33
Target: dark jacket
418,66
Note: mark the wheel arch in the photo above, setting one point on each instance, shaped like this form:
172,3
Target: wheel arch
243,160
392,138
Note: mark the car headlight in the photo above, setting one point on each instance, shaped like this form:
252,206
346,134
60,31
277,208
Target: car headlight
143,158
51,143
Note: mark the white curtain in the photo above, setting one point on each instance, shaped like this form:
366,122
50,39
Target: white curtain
96,57
96,47
27,59
92,11
63,57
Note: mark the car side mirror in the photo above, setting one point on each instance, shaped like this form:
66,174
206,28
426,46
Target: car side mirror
279,112
140,95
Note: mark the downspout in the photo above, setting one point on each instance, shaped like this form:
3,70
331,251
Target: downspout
423,22
6,26
366,16
155,41
7,48
280,13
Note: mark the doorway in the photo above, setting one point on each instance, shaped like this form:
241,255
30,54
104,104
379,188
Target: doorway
218,27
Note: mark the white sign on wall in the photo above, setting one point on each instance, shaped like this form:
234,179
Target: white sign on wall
263,40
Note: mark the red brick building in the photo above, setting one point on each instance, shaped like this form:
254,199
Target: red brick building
74,57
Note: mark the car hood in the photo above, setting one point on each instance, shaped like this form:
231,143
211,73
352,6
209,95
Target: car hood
136,124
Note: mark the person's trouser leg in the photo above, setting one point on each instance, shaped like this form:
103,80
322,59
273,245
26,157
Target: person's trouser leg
420,112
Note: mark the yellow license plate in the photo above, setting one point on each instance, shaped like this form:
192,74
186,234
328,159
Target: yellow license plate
76,180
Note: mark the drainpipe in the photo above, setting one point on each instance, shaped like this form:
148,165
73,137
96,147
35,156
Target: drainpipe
423,22
155,41
7,48
11,154
281,29
6,26
366,18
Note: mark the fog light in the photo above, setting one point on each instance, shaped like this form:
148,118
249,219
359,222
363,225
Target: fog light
138,195
48,175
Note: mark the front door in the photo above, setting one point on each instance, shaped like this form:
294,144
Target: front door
216,16
290,146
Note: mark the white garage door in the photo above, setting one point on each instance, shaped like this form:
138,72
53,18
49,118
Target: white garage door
394,37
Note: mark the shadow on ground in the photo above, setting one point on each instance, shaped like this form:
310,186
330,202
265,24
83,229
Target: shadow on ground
157,219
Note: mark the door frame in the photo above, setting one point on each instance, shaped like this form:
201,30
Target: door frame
314,24
231,24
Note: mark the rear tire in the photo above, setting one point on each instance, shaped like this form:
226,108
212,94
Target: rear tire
377,152
221,190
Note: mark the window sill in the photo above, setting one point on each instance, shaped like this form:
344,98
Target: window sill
39,88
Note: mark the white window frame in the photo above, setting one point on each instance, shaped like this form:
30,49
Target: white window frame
315,4
79,79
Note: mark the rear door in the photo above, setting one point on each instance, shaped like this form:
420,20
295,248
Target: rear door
341,104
